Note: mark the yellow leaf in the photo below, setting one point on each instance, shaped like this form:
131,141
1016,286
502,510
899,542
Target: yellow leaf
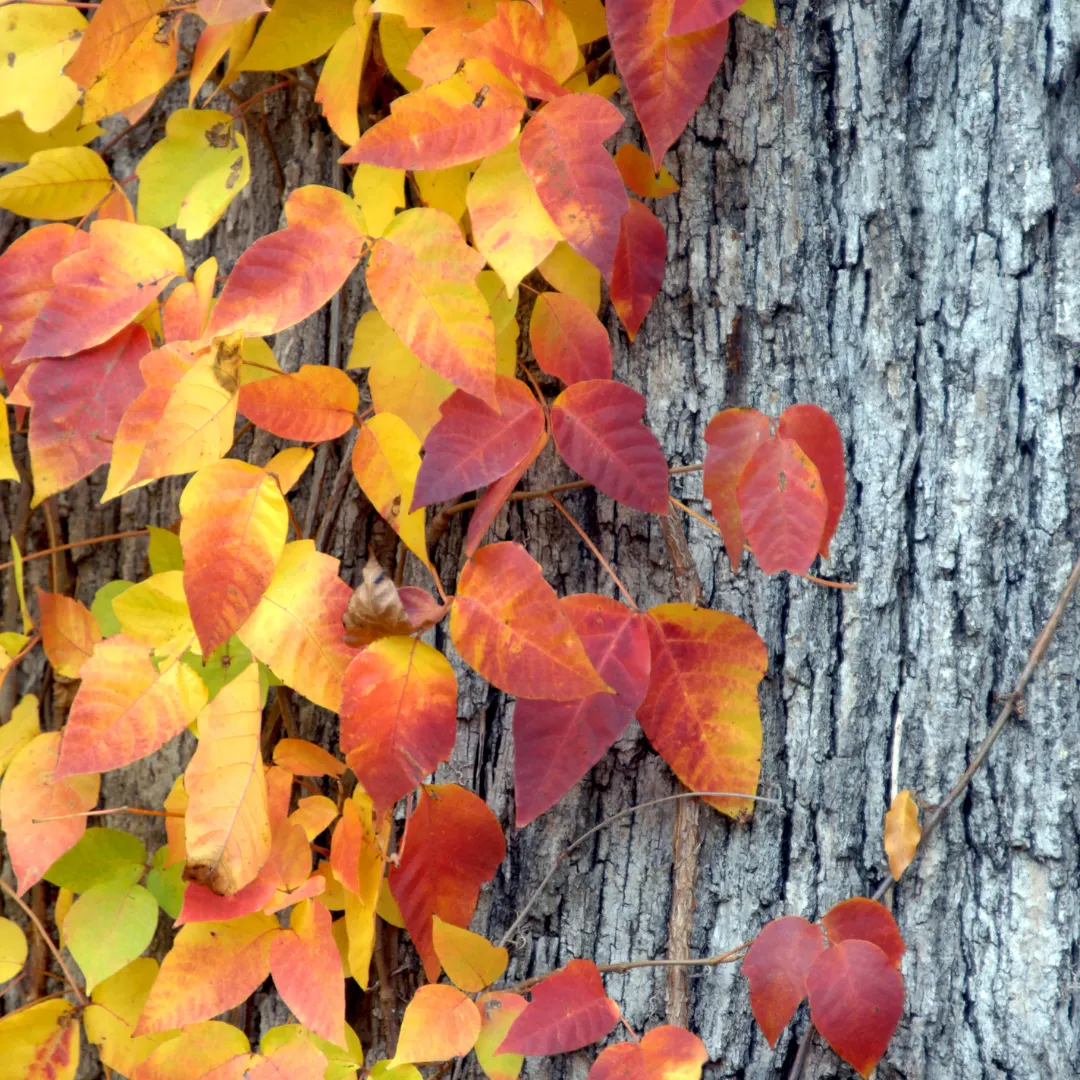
586,17
386,460
314,814
64,899
227,824
398,42
36,42
191,176
19,730
387,907
57,184
444,189
155,611
18,143
7,463
296,31
498,1011
20,586
258,361
339,84
564,269
380,193
40,1042
762,11
13,949
902,832
470,961
289,465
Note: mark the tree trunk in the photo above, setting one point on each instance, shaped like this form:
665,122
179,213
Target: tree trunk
876,216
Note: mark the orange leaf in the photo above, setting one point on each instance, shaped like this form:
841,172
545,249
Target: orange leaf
638,272
68,632
668,77
98,290
902,832
439,1023
303,758
227,824
732,437
398,716
498,1011
210,968
664,1053
194,1052
287,275
636,169
782,506
701,710
115,25
311,405
507,624
31,791
314,814
232,534
422,278
452,845
462,119
126,707
470,961
866,920
578,184
568,340
306,969
569,1009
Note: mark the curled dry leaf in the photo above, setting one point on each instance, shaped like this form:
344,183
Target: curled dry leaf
375,609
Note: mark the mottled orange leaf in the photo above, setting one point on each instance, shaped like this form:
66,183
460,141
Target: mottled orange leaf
440,53
569,1009
304,965
314,814
470,961
439,1023
422,277
473,445
398,716
41,1042
296,629
68,632
664,1053
287,275
782,506
902,832
210,968
507,624
819,439
303,758
227,824
498,1011
568,340
577,182
195,1051
732,438
635,167
668,77
233,529
115,25
701,710
866,920
777,964
452,845
638,272
310,405
30,791
126,707
98,290
180,319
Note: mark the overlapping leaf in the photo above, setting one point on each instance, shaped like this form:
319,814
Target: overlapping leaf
309,405
109,926
41,1042
819,439
498,1012
568,340
69,632
470,961
295,32
339,84
439,1023
664,1053
638,272
56,185
636,169
865,920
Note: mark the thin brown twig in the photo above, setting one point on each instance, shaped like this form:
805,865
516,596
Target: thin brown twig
110,810
593,548
76,544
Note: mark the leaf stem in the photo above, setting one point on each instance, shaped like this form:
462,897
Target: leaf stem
594,549
110,810
77,544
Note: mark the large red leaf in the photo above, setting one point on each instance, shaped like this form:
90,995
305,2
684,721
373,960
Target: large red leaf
507,624
568,340
473,445
639,265
309,405
598,430
664,1053
732,437
563,153
398,716
668,77
557,742
701,710
776,965
782,506
569,1009
452,845
819,439
856,999
690,15
866,920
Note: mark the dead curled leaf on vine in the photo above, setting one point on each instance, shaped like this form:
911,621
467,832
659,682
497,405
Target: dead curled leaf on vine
378,608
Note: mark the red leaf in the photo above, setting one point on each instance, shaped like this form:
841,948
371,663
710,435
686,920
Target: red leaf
496,495
507,625
819,439
782,506
568,340
473,445
557,742
732,438
664,1053
865,920
639,265
598,430
668,77
574,176
569,1009
856,999
776,965
687,16
311,405
452,845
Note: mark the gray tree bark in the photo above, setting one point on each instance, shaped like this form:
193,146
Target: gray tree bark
877,216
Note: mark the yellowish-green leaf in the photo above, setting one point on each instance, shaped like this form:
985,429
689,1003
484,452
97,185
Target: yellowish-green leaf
108,926
40,1043
339,84
155,611
470,961
18,143
13,949
762,11
19,730
57,184
297,31
164,553
102,855
564,269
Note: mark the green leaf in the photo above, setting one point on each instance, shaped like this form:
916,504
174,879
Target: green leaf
221,666
100,856
108,927
102,608
166,885
165,553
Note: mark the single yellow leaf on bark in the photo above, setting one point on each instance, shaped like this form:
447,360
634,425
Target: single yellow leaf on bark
470,961
762,11
902,832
